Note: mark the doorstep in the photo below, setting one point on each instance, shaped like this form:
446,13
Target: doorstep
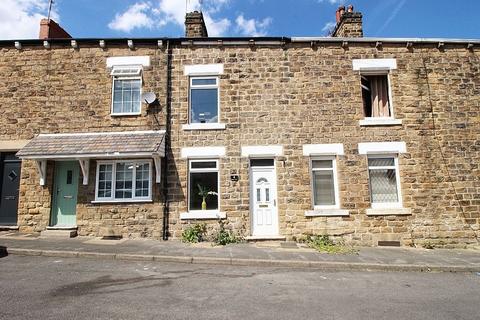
265,238
8,228
60,232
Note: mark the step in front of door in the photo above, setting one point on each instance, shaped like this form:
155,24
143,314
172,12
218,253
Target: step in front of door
59,234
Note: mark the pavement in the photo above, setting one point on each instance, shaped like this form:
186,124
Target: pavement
260,254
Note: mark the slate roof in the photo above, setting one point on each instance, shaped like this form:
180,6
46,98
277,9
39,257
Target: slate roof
95,144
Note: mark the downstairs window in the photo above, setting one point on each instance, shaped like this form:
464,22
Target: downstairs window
124,181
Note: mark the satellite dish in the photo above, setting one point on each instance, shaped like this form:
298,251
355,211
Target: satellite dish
149,97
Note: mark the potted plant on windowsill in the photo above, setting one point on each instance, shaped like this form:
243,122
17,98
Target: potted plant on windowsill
204,193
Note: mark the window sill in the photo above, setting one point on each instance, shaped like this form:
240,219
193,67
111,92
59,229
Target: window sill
126,114
389,212
380,122
202,215
326,213
204,126
123,201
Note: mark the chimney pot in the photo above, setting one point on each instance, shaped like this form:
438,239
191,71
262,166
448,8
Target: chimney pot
349,24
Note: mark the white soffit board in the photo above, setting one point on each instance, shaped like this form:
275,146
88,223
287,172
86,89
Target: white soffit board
382,147
323,149
262,151
374,64
128,61
203,152
203,69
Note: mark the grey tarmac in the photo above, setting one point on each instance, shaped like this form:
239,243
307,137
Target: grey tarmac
36,287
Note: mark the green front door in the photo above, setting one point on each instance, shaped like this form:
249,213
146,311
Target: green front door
65,187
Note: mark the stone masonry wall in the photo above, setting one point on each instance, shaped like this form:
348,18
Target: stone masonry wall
269,95
299,95
350,26
63,90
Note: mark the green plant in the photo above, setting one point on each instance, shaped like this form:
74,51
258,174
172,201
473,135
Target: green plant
204,192
224,237
323,243
195,233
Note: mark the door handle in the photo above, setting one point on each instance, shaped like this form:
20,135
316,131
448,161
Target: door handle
67,197
10,198
274,202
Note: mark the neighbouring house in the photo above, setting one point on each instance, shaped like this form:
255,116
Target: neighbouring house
372,140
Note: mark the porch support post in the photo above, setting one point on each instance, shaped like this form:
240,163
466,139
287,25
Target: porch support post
84,165
158,168
42,170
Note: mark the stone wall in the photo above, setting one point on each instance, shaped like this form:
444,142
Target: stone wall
63,90
350,26
298,95
288,96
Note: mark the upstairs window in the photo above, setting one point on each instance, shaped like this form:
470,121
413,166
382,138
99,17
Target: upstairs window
204,100
376,96
127,89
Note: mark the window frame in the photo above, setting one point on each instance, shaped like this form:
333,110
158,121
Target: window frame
333,158
113,181
126,77
205,170
385,205
386,72
207,86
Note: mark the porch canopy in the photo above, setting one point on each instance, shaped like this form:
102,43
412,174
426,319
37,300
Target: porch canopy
95,145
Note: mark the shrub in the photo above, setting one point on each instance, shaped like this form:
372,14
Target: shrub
323,243
224,237
195,233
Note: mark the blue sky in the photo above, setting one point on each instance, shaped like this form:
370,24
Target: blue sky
157,18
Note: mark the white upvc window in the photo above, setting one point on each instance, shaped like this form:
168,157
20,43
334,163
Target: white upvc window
126,90
384,181
204,99
203,185
124,181
324,182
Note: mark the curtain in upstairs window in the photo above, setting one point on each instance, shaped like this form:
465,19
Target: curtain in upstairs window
380,103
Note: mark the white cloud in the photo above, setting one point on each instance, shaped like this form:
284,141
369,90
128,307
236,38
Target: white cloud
156,13
328,26
136,16
252,27
216,28
174,12
333,1
20,19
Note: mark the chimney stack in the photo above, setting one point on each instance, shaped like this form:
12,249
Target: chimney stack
49,29
349,23
195,25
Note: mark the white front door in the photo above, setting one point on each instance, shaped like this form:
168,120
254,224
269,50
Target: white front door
263,199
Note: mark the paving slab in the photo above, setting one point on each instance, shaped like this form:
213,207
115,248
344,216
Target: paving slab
282,255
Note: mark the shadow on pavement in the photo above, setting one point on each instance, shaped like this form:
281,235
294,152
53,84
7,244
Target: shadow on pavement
3,251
